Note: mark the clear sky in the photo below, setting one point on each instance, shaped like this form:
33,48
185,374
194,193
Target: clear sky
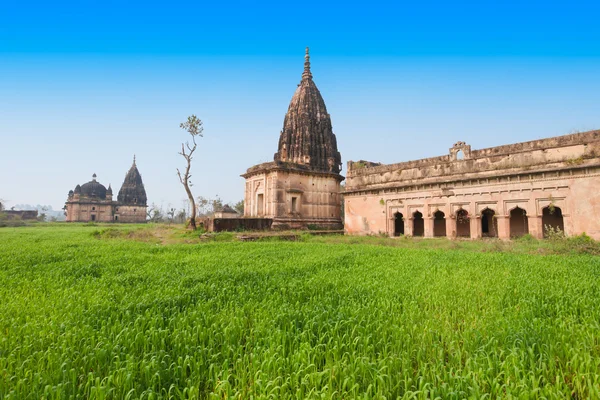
84,85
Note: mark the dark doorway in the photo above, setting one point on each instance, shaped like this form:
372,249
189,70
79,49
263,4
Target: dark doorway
552,218
418,224
439,224
398,224
463,224
93,217
519,225
488,223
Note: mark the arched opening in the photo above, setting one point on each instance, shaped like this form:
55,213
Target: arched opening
460,155
418,224
519,225
552,218
463,224
488,223
439,224
398,224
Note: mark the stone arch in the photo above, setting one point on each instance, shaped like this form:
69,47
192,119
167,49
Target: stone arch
489,226
519,225
439,224
463,223
552,218
418,224
460,147
398,224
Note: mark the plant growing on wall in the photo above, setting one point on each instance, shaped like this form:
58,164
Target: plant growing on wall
462,216
551,206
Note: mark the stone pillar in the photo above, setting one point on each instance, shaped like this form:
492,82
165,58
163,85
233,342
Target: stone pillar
503,227
428,228
451,227
408,226
475,227
534,223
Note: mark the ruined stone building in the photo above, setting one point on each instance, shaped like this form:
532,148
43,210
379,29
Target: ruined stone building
506,191
92,201
301,186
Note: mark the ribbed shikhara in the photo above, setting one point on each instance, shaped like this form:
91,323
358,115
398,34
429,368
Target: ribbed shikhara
307,137
132,192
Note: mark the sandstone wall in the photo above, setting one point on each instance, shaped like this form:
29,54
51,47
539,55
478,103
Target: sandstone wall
560,172
130,214
86,212
293,198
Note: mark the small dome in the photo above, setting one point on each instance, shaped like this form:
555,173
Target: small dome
93,189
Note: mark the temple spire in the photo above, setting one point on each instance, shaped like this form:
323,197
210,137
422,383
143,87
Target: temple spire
306,74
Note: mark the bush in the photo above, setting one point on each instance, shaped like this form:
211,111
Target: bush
526,238
7,222
553,233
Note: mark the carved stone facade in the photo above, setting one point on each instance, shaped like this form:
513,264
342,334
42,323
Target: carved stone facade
301,187
504,191
92,201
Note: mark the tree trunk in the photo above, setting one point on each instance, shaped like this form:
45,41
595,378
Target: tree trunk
193,205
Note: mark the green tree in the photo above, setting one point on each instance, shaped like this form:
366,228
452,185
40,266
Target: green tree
239,207
208,206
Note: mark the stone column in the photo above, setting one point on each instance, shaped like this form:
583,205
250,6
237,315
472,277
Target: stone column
391,229
475,227
408,226
451,227
534,223
428,228
503,227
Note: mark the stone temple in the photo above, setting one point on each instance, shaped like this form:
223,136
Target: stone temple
92,201
301,186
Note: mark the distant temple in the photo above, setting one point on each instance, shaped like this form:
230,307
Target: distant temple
92,201
301,186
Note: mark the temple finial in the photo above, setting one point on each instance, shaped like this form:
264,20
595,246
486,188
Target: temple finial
306,74
134,159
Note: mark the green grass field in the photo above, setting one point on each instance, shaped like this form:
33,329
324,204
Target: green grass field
92,312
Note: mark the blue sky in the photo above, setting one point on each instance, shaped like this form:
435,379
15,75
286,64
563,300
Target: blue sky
85,85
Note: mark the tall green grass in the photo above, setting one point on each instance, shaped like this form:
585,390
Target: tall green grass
85,314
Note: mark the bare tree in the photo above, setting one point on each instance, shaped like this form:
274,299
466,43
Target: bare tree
194,127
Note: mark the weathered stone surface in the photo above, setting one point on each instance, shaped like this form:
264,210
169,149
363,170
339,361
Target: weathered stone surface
132,191
517,184
307,137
